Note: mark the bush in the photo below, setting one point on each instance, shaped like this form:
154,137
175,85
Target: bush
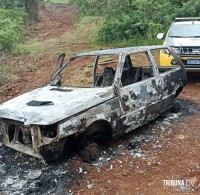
130,19
11,4
11,28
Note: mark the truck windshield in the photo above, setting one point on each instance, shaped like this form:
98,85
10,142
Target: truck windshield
185,30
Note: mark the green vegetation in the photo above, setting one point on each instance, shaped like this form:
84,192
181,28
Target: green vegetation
79,38
13,14
7,71
56,1
136,20
11,28
121,23
12,18
11,4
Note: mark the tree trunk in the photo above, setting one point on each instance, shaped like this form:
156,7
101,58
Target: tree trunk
32,9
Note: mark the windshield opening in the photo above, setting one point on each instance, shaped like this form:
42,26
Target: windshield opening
89,71
185,30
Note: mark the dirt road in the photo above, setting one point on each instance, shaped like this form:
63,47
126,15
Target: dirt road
161,157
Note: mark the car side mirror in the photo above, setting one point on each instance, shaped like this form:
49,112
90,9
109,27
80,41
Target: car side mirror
160,36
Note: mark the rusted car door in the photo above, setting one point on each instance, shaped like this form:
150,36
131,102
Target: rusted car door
139,97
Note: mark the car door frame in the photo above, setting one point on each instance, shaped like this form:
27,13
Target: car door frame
171,81
133,118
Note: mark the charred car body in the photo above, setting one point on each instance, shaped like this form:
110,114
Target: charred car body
121,89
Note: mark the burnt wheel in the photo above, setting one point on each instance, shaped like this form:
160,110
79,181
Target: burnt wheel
176,107
90,153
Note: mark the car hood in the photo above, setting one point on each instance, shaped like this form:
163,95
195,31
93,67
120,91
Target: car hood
59,103
176,42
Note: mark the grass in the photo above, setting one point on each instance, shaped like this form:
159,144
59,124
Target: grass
82,37
138,41
35,46
57,1
10,69
7,74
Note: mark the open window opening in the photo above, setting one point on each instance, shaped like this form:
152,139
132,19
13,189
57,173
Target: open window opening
89,71
137,67
105,70
165,60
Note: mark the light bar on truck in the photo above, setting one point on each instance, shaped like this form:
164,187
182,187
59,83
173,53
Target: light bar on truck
187,19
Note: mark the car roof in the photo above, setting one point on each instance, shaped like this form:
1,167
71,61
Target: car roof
118,51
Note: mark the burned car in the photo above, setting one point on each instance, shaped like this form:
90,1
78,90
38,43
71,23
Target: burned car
96,95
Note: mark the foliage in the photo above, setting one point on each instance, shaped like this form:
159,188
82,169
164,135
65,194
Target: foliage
11,4
130,19
12,19
11,25
56,1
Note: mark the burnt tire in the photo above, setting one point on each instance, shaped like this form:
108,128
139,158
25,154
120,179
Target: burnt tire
90,153
176,107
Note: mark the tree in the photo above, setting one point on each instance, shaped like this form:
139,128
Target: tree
32,9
